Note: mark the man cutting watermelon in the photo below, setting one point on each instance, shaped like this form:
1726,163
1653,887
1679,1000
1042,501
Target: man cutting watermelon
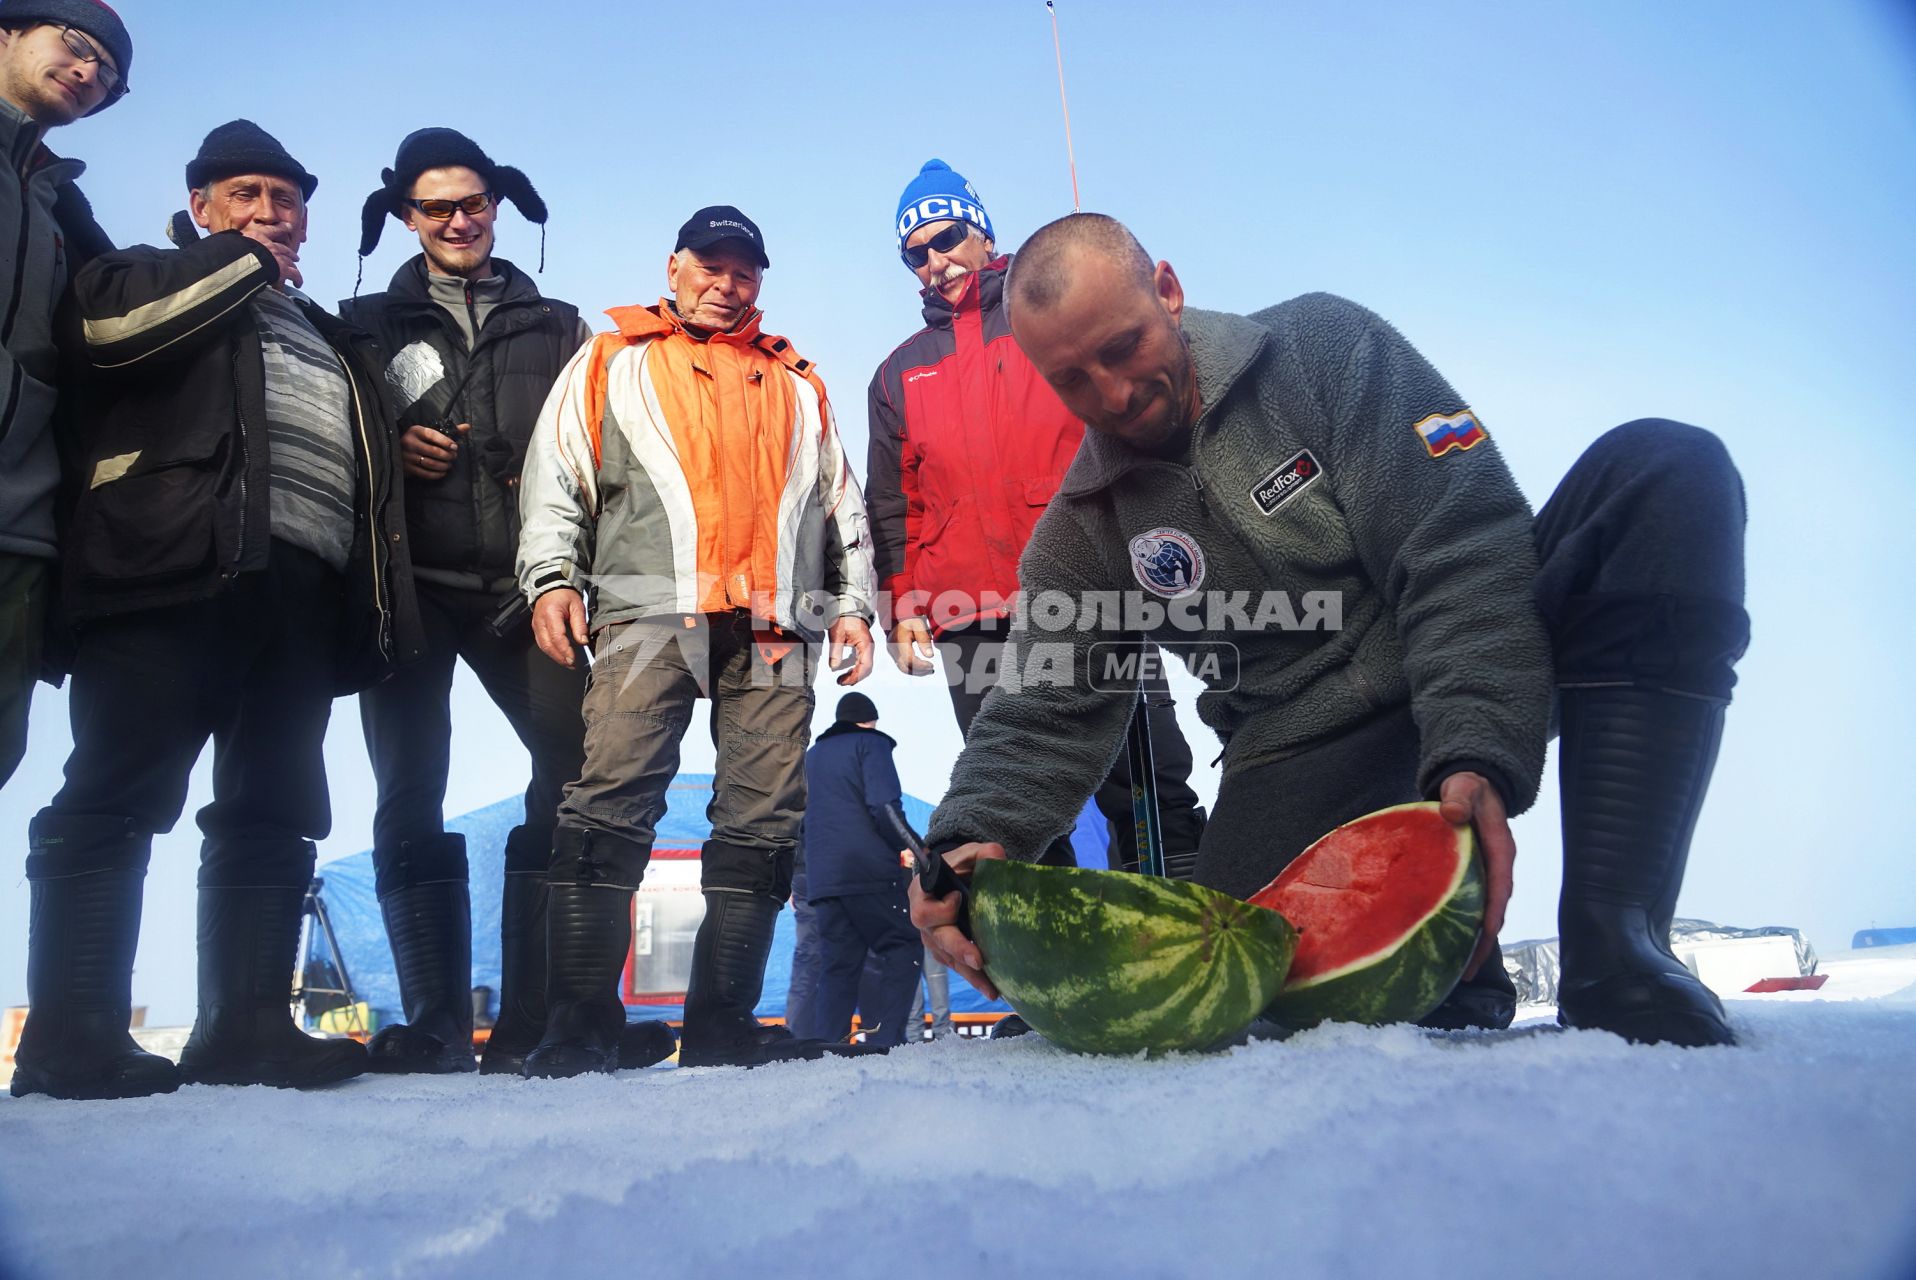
1309,453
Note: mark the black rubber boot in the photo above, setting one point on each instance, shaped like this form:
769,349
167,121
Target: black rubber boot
588,935
430,929
643,1044
1635,765
80,944
1486,1002
1008,1027
522,975
244,1034
728,975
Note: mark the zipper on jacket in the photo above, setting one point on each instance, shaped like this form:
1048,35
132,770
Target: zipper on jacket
448,328
1224,525
375,505
474,480
17,380
239,416
19,260
460,410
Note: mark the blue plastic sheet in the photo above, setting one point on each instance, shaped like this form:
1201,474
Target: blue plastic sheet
353,907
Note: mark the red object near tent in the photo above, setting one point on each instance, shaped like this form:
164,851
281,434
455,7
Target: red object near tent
1805,982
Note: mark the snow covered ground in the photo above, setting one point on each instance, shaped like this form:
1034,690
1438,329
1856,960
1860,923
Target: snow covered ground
1345,1152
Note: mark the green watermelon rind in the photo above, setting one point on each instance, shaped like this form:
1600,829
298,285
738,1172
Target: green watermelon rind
1404,983
1109,962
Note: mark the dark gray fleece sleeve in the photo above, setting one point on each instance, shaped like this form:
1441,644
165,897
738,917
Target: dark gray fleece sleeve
1444,533
1044,738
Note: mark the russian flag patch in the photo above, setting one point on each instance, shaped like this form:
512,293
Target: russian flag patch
1443,432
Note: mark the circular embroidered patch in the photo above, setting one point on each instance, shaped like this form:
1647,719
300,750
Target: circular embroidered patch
1168,563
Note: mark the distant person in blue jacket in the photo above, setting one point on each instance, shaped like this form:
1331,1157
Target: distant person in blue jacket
854,842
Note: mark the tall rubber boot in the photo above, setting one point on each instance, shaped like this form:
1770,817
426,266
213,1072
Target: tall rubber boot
244,1034
588,935
430,929
80,945
728,975
522,975
1635,766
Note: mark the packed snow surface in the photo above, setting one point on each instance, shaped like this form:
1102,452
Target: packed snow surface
1346,1151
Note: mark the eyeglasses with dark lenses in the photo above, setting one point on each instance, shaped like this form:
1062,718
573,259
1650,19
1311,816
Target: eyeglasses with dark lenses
82,48
442,210
944,242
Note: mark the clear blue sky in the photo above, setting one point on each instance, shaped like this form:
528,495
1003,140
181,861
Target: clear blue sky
1581,214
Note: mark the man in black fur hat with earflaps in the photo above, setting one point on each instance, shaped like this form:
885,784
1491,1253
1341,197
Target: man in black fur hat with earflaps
471,350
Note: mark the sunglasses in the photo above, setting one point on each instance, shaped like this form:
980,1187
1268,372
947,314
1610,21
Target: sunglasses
945,241
442,210
82,48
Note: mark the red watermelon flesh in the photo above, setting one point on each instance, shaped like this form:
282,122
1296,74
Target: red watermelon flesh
1387,909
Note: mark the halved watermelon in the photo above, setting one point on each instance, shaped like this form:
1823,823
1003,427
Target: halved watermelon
1110,962
1387,910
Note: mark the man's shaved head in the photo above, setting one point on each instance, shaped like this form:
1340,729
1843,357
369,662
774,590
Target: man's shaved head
1102,324
1042,267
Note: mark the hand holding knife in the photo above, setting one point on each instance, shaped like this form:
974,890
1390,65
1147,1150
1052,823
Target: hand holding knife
935,876
941,900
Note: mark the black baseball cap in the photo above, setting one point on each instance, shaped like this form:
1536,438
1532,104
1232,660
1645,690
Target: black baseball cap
718,222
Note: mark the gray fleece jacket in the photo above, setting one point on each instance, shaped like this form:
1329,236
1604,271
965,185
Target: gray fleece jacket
1341,540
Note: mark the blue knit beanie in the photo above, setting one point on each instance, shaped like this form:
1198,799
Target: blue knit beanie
91,16
938,194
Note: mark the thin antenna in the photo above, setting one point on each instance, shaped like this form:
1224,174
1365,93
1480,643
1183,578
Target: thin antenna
1070,155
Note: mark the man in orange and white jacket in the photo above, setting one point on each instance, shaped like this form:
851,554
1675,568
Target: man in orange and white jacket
687,477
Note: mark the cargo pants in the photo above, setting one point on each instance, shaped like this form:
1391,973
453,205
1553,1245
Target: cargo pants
646,677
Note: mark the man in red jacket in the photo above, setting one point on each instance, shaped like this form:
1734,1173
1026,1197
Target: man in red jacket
968,443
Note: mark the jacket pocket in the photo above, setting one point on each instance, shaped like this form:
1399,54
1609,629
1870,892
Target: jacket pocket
150,516
1038,490
934,522
441,522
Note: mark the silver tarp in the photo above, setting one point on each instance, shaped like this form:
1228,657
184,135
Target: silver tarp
1534,967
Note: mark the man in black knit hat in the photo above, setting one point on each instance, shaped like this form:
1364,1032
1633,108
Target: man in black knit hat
855,830
59,60
471,349
236,558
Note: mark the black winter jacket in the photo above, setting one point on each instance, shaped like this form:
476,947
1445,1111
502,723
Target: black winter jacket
467,522
170,401
47,232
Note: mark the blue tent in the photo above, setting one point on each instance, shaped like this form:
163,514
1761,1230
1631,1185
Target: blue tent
353,907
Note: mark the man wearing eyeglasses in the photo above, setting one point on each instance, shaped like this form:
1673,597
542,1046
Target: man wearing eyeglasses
59,60
471,348
967,445
237,558
688,475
